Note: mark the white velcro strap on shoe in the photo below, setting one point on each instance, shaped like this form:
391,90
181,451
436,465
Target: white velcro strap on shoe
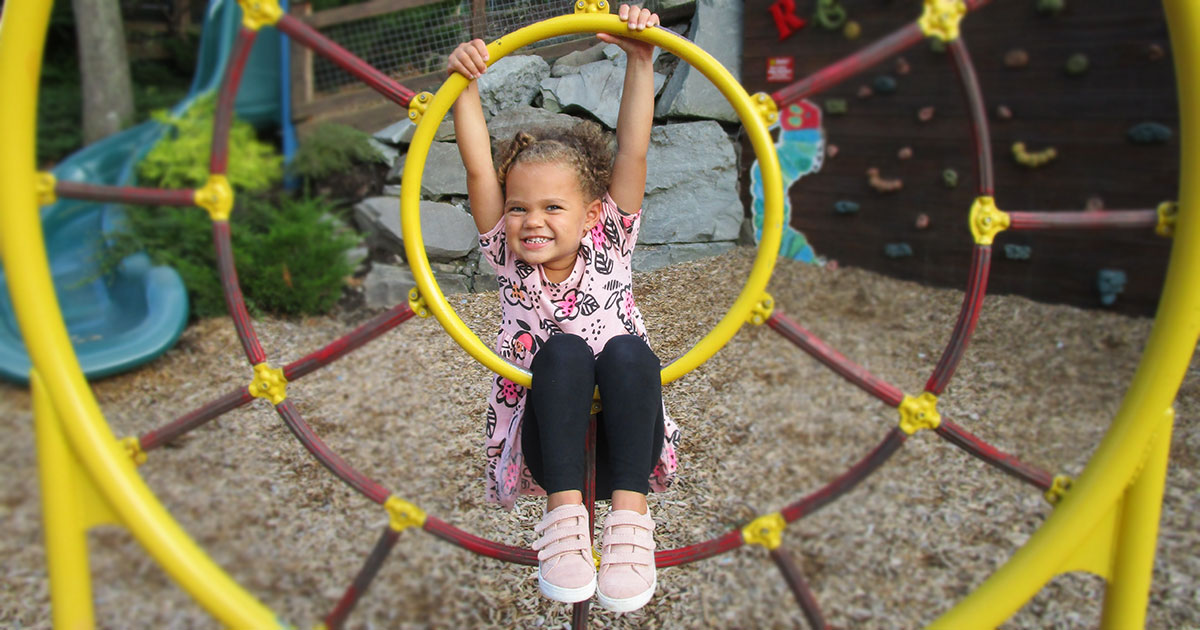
563,545
625,538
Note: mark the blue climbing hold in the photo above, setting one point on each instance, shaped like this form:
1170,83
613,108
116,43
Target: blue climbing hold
1110,282
884,84
1149,133
1013,251
897,250
845,206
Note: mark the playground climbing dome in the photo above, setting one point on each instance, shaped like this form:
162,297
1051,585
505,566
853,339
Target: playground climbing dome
89,477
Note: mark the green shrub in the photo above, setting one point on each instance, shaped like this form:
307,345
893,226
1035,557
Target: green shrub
332,148
180,159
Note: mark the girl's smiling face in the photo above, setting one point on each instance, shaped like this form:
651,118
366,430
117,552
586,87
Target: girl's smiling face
546,216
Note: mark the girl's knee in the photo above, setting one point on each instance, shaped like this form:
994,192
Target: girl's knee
561,351
627,351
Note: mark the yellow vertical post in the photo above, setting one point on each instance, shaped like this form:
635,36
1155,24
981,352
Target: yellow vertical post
1137,536
65,526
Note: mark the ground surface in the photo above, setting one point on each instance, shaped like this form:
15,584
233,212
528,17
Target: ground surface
763,425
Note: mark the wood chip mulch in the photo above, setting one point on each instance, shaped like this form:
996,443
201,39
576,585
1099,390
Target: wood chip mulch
763,425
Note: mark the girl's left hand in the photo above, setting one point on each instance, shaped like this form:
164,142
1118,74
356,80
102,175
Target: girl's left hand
638,19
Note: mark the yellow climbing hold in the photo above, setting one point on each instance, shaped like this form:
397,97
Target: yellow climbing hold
941,19
1035,159
259,13
591,6
418,105
762,310
45,188
767,108
1055,493
417,303
216,196
133,448
919,413
766,530
1168,211
269,383
402,514
986,220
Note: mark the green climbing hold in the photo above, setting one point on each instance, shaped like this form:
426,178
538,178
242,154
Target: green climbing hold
1149,133
950,178
937,45
831,15
845,206
1077,64
836,106
1051,7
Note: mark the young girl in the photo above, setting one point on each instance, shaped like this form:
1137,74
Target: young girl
558,217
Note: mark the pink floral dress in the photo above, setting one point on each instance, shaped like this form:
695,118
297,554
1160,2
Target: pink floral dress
595,302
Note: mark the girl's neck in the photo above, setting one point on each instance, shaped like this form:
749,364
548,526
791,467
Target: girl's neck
557,274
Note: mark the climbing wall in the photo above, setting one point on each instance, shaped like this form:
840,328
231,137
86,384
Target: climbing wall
1091,80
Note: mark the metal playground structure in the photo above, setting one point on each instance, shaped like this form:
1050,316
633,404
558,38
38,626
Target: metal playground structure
1104,522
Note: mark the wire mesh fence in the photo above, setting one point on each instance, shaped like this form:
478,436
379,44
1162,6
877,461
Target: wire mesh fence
416,41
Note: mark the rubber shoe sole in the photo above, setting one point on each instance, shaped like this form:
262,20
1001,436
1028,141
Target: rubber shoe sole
564,594
628,604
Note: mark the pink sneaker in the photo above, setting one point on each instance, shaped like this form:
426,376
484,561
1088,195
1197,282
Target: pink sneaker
627,573
566,571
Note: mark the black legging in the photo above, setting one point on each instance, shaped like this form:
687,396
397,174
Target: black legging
629,429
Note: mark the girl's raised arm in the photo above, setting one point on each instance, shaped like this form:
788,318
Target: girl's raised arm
471,135
637,111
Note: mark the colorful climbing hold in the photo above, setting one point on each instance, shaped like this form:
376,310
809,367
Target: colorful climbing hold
1077,64
902,66
1094,203
1004,112
864,91
836,106
831,15
884,84
1016,58
879,184
852,30
922,221
1149,133
950,178
1012,251
897,250
1051,7
925,114
905,153
1155,52
845,206
937,45
1110,283
1035,159
831,151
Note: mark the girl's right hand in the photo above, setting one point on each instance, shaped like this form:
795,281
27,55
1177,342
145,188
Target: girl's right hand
469,59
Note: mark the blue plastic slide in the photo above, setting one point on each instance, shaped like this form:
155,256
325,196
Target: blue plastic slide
137,313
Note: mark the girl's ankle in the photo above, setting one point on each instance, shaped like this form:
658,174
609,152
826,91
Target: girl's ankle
565,497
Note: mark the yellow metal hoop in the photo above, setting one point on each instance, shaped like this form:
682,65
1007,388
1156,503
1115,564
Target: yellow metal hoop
747,109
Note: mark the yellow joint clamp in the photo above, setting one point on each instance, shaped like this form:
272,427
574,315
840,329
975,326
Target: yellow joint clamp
45,188
269,383
417,303
133,448
1058,489
762,310
941,18
402,514
986,220
418,105
1168,212
1035,159
919,413
259,13
596,406
216,196
767,108
591,6
766,530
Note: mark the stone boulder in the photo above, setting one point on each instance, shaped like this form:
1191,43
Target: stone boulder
448,231
444,174
387,285
651,257
595,90
523,118
510,82
717,28
571,62
691,185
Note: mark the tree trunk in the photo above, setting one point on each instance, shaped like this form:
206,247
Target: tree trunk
103,68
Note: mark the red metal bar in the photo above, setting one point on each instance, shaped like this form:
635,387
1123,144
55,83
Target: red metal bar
972,444
325,47
580,610
848,480
699,551
335,350
856,374
803,594
223,119
979,122
1083,220
331,460
362,581
968,317
125,194
481,546
847,67
234,301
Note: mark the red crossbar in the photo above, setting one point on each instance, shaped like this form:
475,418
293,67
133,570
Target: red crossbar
125,194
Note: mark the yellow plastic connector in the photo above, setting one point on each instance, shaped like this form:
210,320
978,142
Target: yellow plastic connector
986,220
1168,211
767,108
1058,489
418,105
45,188
133,447
596,558
591,6
216,196
417,303
597,407
402,514
259,13
1035,159
919,413
766,530
269,383
762,310
941,19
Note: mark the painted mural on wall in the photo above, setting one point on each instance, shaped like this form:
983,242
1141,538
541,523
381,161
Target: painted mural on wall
801,148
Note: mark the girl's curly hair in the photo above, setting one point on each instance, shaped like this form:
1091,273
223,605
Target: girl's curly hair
585,148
